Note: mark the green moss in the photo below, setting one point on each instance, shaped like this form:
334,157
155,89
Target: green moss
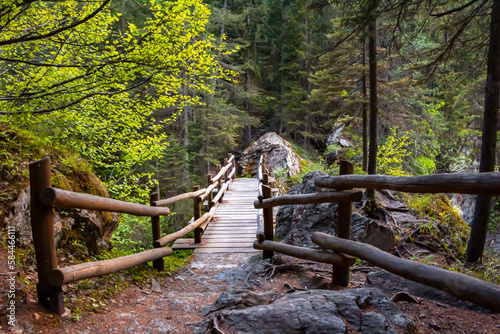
447,225
60,181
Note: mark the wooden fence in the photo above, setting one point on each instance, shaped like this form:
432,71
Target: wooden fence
346,251
51,278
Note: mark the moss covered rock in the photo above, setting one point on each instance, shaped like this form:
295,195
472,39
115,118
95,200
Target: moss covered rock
68,173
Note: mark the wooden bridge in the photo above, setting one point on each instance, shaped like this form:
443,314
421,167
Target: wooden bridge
234,225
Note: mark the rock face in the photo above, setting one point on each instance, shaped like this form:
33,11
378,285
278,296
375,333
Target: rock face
93,228
314,311
296,223
279,153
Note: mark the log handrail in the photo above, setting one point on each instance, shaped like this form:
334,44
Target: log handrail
182,232
466,183
221,172
460,285
305,253
61,276
208,190
220,193
314,198
179,197
70,199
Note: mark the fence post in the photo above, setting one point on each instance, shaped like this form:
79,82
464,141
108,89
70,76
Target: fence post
219,181
42,226
210,195
197,214
225,173
158,264
264,163
341,274
268,216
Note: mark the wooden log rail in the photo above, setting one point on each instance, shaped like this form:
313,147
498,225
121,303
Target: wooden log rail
265,228
60,276
305,253
314,198
462,286
467,183
69,199
44,197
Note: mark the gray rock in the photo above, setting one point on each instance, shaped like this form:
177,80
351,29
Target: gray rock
375,323
155,285
279,153
161,327
230,276
377,235
313,311
290,314
296,223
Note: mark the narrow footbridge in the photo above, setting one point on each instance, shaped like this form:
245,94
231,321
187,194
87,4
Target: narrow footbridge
234,225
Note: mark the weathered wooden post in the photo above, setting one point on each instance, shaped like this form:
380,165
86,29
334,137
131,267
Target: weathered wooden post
268,216
341,274
197,214
42,226
264,163
158,264
219,181
235,169
210,195
226,172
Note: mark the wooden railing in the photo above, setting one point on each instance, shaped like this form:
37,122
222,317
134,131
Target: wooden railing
345,251
265,234
51,278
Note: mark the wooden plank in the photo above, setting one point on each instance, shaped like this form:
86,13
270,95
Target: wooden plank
229,229
227,234
226,250
228,237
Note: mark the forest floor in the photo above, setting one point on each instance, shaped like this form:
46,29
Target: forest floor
174,306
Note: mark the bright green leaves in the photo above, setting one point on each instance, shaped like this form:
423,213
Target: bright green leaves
391,155
96,88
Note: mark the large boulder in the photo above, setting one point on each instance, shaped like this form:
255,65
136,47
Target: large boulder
314,311
296,223
279,153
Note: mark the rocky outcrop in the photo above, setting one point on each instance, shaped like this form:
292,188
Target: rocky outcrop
92,228
314,311
296,223
279,153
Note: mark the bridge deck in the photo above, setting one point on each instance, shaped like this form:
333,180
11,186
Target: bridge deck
233,228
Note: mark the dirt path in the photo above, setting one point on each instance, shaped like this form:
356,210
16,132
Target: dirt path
134,310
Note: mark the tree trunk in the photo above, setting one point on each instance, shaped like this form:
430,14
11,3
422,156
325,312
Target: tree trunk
372,58
477,240
365,113
282,74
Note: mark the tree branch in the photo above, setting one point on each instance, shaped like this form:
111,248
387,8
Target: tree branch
28,37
